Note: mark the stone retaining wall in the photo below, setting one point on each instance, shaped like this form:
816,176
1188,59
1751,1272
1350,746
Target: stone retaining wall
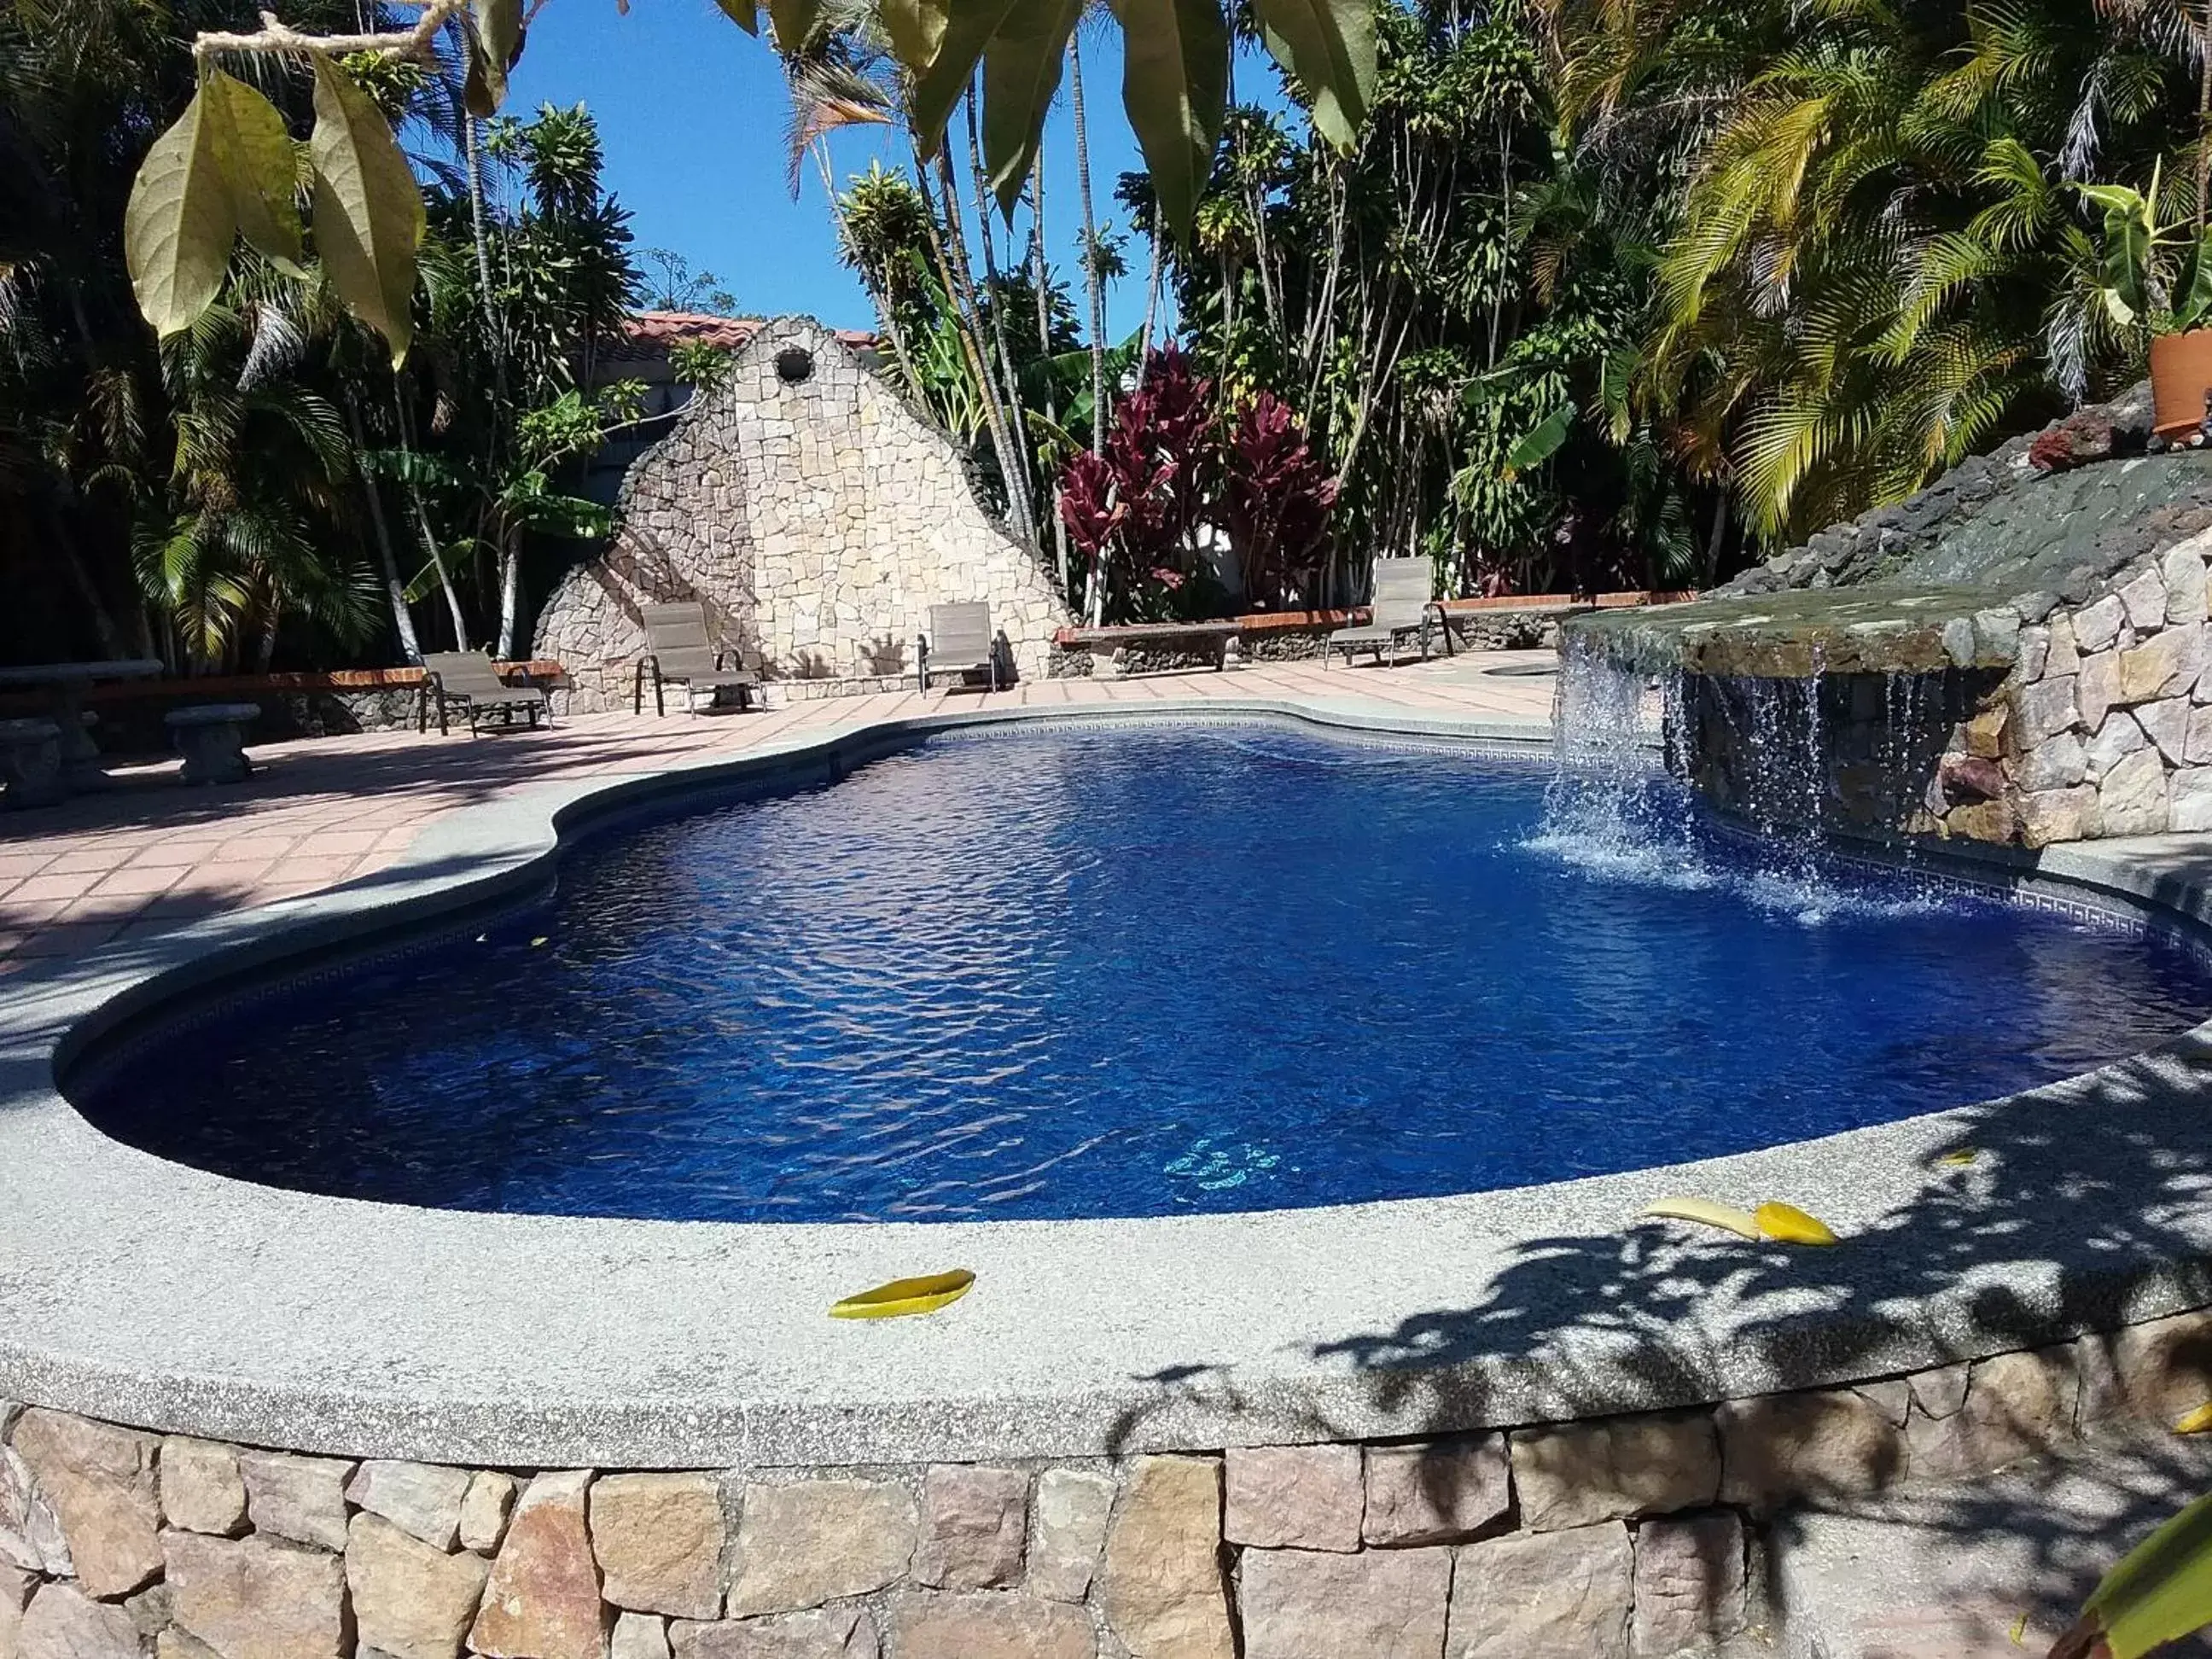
816,516
2104,725
1603,1539
2054,718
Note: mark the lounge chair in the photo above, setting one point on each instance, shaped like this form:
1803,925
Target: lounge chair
959,641
679,651
467,680
1401,604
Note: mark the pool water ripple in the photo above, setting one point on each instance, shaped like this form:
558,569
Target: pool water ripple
1136,972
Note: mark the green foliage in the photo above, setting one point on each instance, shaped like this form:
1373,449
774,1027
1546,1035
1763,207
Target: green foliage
2152,274
700,364
2159,1592
1872,271
369,214
239,486
670,284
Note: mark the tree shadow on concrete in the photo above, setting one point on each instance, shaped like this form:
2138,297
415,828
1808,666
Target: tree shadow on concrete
2083,1207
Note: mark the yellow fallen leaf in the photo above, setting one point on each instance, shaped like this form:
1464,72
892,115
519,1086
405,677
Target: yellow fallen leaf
2020,1632
540,939
1705,1211
906,1296
2195,1422
1960,1159
1792,1225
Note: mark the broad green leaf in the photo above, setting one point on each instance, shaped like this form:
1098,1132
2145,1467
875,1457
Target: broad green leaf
2192,286
1175,79
1021,74
1537,446
794,20
745,13
916,28
2126,265
259,166
1329,46
179,224
495,46
2113,198
969,26
2161,1591
368,212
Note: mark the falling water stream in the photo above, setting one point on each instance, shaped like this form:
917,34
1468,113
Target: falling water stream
1615,808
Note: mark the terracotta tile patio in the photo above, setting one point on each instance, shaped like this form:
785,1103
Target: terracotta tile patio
147,854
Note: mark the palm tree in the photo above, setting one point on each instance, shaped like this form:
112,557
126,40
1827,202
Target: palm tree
1875,269
253,525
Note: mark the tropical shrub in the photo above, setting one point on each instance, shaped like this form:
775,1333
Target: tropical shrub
1275,501
1175,471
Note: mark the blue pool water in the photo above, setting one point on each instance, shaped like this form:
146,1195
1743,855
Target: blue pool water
1137,972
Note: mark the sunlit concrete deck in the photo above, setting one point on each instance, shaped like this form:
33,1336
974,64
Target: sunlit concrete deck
147,854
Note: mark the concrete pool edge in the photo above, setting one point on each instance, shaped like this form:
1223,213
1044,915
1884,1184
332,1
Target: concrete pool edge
140,1291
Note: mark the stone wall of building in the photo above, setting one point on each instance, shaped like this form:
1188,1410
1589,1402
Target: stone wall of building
1643,1535
817,518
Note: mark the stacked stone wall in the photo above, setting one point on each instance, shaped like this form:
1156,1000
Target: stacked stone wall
816,516
2103,727
2098,723
1611,1538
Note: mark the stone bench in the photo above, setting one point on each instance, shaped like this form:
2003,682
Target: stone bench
211,737
1107,646
31,762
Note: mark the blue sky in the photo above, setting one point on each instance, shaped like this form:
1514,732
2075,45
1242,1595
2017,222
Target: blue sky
691,112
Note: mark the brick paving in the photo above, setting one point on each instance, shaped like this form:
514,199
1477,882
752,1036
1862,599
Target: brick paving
147,853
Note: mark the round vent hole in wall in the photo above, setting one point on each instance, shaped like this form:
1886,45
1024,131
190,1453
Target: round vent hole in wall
794,364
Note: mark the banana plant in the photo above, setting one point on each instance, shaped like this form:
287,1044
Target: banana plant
2160,1592
2151,274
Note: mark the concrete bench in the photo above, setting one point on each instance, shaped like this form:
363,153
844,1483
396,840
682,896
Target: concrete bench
31,762
211,737
1107,646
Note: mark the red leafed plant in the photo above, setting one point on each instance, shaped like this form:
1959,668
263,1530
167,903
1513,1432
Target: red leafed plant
1169,473
1276,498
1133,510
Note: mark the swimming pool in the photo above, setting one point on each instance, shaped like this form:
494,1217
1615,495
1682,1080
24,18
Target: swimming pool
1081,972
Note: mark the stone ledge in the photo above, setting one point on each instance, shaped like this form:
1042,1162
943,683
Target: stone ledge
1619,1547
366,1330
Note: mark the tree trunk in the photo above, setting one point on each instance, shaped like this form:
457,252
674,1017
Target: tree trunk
952,261
266,649
510,592
403,620
1094,285
1040,277
1014,412
2204,115
1094,288
422,523
510,578
1152,299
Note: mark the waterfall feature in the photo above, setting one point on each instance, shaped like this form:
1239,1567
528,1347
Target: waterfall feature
1791,761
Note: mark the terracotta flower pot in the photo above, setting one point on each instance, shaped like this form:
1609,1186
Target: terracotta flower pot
2181,375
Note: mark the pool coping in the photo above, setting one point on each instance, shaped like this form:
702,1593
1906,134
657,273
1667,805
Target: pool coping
139,1291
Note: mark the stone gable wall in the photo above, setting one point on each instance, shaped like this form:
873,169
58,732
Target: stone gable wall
819,521
1613,1536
